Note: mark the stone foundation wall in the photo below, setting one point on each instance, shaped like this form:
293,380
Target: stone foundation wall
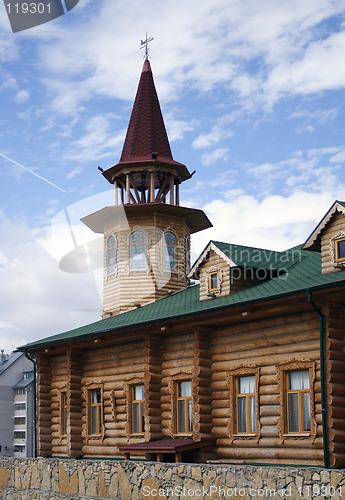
53,479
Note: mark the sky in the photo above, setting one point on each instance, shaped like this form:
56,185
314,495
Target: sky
253,97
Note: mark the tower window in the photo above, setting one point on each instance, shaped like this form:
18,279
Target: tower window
137,251
170,252
111,255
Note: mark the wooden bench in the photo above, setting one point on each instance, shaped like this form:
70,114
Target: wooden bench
163,446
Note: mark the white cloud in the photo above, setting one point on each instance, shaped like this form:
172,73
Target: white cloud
22,96
98,142
38,299
275,222
74,172
260,49
214,156
206,140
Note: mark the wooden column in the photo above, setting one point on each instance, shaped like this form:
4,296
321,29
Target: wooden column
116,201
153,377
177,189
172,198
202,394
335,378
152,188
127,189
74,403
44,410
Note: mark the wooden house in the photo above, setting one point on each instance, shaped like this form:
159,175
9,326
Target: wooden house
245,367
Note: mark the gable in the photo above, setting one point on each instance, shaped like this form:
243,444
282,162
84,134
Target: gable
329,239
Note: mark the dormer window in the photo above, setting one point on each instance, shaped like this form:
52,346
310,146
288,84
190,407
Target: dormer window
339,249
213,281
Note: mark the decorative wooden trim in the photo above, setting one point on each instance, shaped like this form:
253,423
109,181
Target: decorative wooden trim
107,275
295,365
63,411
130,383
180,376
161,252
232,375
340,236
148,244
214,270
90,386
113,405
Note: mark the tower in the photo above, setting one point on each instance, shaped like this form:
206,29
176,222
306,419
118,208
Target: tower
146,232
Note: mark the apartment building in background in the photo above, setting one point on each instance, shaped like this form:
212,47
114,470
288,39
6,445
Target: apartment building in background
16,406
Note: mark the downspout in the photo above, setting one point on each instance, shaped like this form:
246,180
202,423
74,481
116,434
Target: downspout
35,404
323,385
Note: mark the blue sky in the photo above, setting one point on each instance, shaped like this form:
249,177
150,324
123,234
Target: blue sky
252,95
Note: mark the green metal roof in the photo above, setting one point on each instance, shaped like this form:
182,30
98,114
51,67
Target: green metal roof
299,270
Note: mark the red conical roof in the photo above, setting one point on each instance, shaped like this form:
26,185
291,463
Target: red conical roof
146,142
146,132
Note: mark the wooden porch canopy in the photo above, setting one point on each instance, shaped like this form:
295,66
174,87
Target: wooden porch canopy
166,445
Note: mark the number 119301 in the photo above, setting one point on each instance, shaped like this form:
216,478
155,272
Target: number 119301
28,8
326,491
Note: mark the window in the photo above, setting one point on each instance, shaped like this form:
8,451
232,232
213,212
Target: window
95,412
246,404
213,281
19,435
17,448
20,406
339,249
63,413
137,251
298,415
138,413
184,407
170,252
19,420
19,392
111,255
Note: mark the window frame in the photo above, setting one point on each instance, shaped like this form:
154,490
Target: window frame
130,244
108,250
166,246
283,371
63,413
186,399
89,406
233,378
141,403
210,287
336,241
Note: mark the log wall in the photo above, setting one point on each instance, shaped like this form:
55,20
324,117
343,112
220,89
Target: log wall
336,227
44,410
113,369
58,383
335,388
266,345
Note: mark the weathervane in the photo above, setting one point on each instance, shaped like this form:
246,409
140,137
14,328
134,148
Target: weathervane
145,43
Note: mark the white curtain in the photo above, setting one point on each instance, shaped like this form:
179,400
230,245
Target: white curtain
246,385
299,380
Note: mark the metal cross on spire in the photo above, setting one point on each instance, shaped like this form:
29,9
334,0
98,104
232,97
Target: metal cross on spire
145,43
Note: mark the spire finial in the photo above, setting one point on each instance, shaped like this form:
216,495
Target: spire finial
145,43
